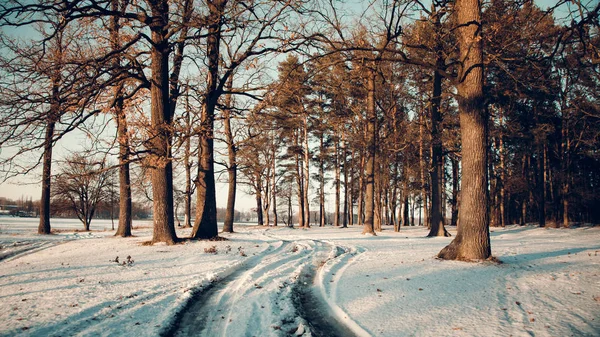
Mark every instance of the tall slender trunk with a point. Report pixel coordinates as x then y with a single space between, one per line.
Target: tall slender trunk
472 241
422 165
351 194
306 174
541 186
274 188
44 225
455 190
337 183
300 183
232 161
566 165
259 205
361 188
322 181
371 148
267 201
187 202
437 167
125 203
125 221
346 187
503 212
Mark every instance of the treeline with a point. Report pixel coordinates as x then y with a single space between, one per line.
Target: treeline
480 113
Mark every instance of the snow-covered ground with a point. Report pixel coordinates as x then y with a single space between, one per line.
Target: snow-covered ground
260 283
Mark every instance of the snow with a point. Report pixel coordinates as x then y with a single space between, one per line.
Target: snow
391 284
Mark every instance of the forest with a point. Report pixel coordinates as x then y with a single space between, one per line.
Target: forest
472 113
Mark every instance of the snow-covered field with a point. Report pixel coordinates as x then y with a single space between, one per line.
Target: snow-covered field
278 281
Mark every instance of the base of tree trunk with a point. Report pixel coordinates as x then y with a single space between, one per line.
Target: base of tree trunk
453 252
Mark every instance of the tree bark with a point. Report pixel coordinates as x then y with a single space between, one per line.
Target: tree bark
125 221
337 183
306 174
232 162
205 225
44 225
322 181
273 186
455 192
472 241
422 165
162 172
370 165
437 168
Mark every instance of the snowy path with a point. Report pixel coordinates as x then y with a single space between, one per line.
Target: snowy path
283 291
303 282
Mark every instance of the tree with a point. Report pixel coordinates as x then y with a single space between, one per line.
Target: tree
81 185
472 241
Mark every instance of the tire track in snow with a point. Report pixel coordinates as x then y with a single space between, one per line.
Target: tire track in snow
317 303
254 300
26 248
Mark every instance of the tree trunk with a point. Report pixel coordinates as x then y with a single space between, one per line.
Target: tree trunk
541 187
371 148
232 162
337 183
472 241
300 182
125 221
161 119
259 207
44 225
503 212
422 164
437 168
306 174
205 225
361 188
273 187
322 182
455 190
346 187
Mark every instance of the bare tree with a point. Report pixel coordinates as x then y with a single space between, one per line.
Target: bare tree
82 183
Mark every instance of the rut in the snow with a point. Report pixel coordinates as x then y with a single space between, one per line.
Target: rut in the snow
313 308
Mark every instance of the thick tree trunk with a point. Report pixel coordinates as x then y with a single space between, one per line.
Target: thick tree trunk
472 241
370 165
205 224
161 119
